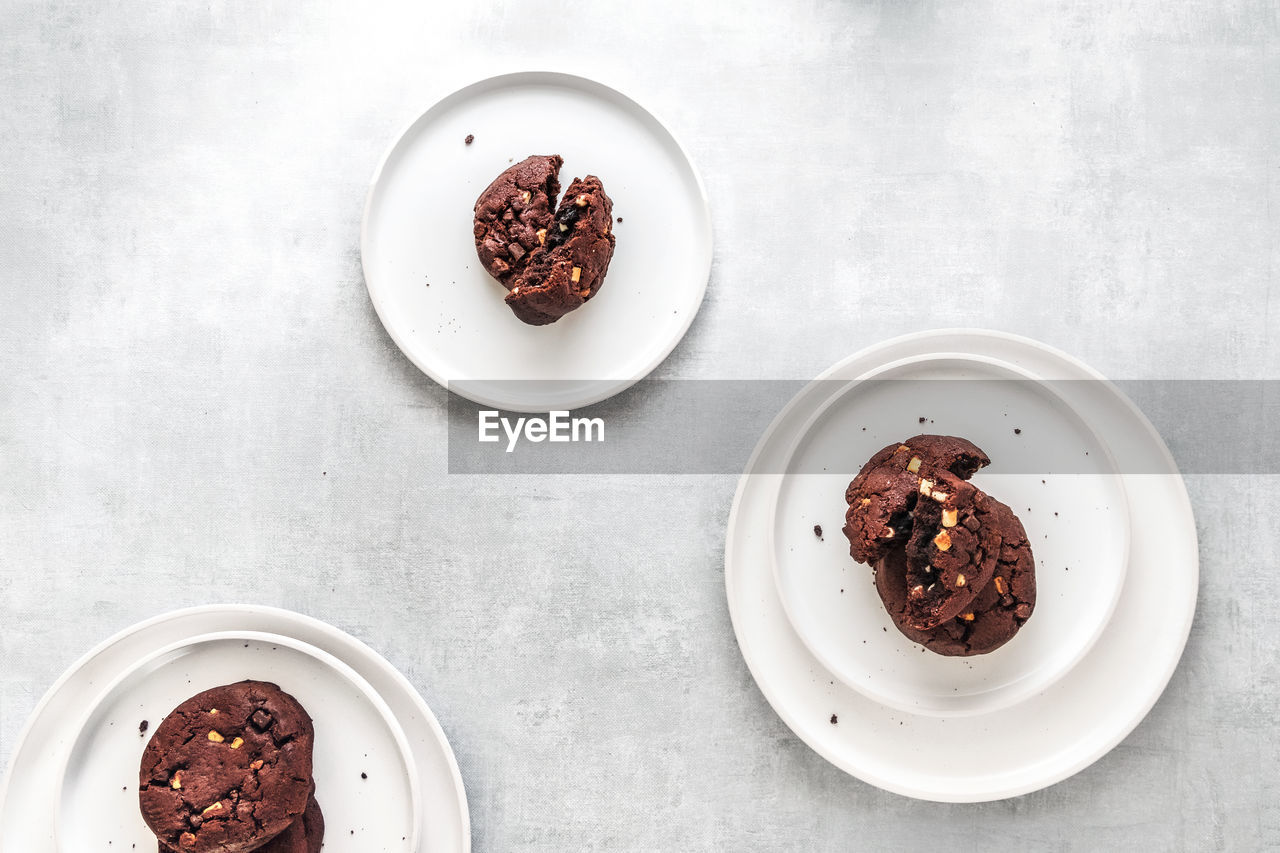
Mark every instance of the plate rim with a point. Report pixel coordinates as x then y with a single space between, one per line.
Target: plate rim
1066 769
345 670
605 388
267 612
774 494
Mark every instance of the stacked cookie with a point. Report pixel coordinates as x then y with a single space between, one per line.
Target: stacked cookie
550 261
229 770
952 564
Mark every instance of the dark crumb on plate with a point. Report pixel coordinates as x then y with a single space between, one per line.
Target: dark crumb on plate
817 530
922 420
619 218
1017 431
834 720
142 727
470 138
364 775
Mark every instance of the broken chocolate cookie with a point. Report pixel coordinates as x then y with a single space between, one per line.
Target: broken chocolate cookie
883 494
995 614
550 262
940 545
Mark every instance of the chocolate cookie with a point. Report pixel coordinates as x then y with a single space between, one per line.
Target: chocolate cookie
995 614
884 493
227 770
304 835
512 212
550 264
952 551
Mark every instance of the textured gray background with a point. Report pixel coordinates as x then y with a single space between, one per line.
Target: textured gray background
197 403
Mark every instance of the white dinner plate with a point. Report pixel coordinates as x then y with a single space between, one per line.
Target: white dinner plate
446 313
1048 465
30 793
1033 743
366 779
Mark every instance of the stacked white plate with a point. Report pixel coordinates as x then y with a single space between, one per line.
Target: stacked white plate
385 776
1116 557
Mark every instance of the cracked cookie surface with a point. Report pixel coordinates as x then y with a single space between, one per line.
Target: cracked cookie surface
952 564
884 493
551 263
952 551
227 770
304 835
512 211
996 613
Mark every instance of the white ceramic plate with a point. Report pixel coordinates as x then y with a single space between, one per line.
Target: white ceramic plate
1033 743
366 780
31 789
445 312
832 602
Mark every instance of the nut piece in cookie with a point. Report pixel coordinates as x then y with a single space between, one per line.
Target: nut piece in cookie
512 210
227 770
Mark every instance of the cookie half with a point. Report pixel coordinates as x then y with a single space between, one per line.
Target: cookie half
515 213
952 551
996 613
228 770
883 495
570 267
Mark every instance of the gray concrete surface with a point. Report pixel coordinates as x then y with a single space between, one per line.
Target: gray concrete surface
197 402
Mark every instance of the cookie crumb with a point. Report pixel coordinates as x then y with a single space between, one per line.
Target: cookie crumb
922 420
817 530
364 775
619 218
1017 431
834 720
470 138
142 728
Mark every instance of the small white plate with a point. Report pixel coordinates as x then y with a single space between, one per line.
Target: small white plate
31 788
832 601
366 782
446 313
1036 742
